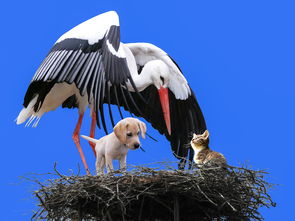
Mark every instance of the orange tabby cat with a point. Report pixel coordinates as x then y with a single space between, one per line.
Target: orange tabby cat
203 154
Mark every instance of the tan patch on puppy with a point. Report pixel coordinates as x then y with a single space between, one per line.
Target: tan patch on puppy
119 130
127 131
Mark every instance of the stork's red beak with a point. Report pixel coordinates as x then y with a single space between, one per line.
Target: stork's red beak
164 99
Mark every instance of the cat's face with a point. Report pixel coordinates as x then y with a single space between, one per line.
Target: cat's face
201 139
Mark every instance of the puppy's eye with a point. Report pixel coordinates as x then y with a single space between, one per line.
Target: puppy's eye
129 134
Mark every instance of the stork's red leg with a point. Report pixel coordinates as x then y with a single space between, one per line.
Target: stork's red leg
92 131
76 139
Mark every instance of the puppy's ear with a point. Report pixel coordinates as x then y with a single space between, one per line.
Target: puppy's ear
142 128
119 131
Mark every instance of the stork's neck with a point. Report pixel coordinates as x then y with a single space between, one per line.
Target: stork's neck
141 81
152 73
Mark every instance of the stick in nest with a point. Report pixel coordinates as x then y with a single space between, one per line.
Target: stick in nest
154 194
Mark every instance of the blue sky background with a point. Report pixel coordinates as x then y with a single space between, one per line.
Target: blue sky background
238 57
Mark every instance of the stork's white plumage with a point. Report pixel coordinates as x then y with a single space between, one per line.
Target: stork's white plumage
92 30
89 65
162 65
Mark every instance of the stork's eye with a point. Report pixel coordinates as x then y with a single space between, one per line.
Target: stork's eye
129 134
162 79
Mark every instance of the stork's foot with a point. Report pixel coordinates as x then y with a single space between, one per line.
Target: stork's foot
181 164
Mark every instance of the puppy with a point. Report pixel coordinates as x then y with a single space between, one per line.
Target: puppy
117 144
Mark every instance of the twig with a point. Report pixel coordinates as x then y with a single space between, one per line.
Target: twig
203 193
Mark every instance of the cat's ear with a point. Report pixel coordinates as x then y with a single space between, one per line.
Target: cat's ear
206 134
194 136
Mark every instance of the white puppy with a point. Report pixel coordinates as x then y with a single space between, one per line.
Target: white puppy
116 145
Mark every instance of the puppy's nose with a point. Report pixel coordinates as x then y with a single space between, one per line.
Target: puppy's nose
136 145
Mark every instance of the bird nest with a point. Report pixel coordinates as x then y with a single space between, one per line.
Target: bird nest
144 193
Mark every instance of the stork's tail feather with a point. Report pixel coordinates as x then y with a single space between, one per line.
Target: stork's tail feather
28 112
24 115
89 139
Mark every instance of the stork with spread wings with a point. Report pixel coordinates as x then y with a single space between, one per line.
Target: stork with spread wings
90 66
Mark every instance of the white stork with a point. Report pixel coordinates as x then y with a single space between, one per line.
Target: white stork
90 66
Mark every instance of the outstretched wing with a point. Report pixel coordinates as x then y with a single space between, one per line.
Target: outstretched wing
186 115
91 56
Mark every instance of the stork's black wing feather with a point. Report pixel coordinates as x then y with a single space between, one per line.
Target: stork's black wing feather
91 66
186 117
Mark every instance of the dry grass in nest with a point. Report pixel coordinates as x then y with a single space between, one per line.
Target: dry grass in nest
144 193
